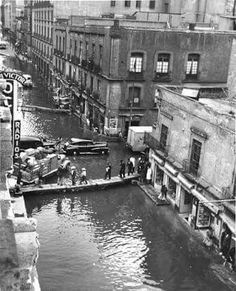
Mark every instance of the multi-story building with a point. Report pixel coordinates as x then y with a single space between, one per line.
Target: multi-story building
44 13
118 66
27 28
192 152
9 18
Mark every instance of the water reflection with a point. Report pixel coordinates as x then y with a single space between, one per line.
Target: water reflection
116 240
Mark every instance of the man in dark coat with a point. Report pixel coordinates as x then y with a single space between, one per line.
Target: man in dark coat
122 169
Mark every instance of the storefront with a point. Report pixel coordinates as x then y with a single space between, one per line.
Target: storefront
184 196
158 171
171 181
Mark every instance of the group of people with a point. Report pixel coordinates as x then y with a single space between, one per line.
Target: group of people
226 250
73 175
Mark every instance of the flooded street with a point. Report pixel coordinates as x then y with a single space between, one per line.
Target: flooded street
114 239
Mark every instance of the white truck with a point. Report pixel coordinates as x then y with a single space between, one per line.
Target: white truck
135 140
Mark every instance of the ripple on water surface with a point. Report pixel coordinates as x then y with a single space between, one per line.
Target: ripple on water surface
115 240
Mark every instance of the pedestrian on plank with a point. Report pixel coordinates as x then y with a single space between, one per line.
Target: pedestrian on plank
122 169
83 176
73 175
130 167
149 174
132 159
108 171
163 192
225 241
230 259
60 175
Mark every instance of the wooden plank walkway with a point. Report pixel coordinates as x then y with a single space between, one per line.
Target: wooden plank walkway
153 194
97 184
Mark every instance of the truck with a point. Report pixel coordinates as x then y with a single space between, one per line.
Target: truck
135 139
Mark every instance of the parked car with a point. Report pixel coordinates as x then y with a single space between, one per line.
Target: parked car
3 45
28 83
85 146
64 102
34 142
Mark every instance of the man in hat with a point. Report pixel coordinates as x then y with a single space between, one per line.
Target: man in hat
83 176
73 175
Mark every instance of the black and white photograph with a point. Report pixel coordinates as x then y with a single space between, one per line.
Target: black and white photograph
117 145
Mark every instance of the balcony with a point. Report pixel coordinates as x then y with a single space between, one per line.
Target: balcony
135 76
162 77
193 171
155 144
191 77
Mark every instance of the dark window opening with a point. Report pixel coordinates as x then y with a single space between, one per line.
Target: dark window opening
134 96
127 3
163 137
113 3
152 4
138 4
195 157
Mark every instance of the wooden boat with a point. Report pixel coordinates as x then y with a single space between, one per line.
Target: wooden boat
96 184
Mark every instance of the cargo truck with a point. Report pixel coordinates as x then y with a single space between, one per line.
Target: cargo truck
135 140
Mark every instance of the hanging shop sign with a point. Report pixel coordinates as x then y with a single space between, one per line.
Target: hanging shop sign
113 123
16 140
203 216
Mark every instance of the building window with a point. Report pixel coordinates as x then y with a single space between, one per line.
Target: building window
136 62
166 8
93 50
127 3
98 85
85 80
152 4
100 55
164 135
80 51
138 4
113 3
86 50
163 62
75 50
134 96
91 84
192 66
195 157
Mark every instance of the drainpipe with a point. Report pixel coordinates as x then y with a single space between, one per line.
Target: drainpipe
197 10
205 7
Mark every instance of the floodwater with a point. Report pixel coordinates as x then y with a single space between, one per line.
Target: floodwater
114 239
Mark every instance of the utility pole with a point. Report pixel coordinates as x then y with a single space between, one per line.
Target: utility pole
131 106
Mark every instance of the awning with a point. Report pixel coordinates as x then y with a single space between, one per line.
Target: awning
212 207
185 182
172 170
160 161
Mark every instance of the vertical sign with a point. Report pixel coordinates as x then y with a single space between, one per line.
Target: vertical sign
16 140
8 93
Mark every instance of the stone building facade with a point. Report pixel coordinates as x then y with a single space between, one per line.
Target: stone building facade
192 152
116 68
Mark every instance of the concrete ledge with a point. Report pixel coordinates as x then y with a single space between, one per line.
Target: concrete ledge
24 224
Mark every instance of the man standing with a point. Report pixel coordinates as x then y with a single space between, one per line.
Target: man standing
163 192
83 176
122 169
108 171
132 159
73 175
